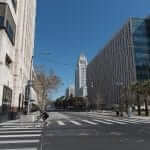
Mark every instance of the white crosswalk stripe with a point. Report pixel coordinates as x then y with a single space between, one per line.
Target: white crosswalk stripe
97 121
104 122
118 122
61 123
32 131
108 118
30 148
19 141
76 123
19 136
89 122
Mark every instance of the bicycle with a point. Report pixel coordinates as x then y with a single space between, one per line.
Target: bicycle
42 120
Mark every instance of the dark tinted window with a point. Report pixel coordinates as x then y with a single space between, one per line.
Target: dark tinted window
7 21
7 97
2 14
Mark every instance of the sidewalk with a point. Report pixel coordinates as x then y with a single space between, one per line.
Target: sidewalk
20 117
29 118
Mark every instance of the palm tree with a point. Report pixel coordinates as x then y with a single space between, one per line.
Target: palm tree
146 92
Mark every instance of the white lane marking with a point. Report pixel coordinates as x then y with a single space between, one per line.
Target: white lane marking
29 148
133 121
60 123
129 121
126 121
118 122
21 128
19 123
103 122
75 122
22 135
19 141
17 126
20 131
90 122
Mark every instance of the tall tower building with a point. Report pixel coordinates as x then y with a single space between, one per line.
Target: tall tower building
17 28
80 76
70 91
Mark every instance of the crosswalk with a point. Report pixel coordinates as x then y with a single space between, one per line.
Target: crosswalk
20 135
100 121
97 119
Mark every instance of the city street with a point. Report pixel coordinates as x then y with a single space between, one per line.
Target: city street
74 75
95 131
77 130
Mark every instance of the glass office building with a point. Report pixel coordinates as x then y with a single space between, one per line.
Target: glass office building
141 42
125 59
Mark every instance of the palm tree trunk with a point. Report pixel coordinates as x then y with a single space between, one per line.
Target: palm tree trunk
139 105
146 107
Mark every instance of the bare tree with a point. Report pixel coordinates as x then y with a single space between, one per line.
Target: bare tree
45 84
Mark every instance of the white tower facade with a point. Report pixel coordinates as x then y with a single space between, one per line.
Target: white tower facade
80 77
17 29
70 91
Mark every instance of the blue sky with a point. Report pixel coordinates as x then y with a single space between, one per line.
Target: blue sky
65 28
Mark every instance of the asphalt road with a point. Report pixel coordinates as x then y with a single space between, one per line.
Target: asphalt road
79 131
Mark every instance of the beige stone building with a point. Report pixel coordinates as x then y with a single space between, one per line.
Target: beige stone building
17 28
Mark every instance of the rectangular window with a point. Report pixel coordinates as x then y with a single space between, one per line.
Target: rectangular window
2 14
1 21
7 97
7 22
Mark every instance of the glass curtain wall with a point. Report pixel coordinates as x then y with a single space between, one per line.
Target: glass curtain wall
141 42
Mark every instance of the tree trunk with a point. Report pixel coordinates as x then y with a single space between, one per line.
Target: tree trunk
121 109
146 107
139 105
127 105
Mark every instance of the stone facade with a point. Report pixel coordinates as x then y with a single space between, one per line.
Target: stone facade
80 77
70 91
16 50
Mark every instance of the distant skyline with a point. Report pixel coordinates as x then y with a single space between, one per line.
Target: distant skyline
66 28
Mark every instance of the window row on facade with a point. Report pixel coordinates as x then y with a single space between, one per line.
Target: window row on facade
7 22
